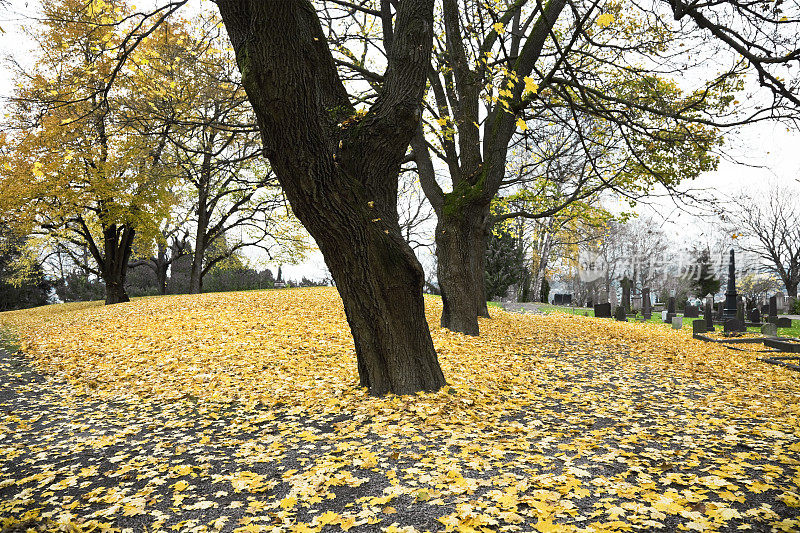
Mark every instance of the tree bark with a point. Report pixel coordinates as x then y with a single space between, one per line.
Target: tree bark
340 171
161 266
791 290
476 165
118 242
201 237
461 254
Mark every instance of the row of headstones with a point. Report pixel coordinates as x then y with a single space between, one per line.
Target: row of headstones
669 316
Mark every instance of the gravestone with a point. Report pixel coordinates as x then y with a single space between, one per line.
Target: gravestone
691 311
733 325
720 310
699 326
780 302
562 299
670 310
612 299
602 310
770 330
620 315
709 314
626 294
765 309
773 309
664 316
677 322
729 310
783 322
647 310
740 310
755 315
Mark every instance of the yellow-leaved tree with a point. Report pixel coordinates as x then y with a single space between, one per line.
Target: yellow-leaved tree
73 168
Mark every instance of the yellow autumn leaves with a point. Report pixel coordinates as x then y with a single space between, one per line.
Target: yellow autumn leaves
550 423
294 347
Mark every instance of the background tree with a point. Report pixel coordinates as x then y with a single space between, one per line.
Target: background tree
756 287
768 226
505 263
22 280
171 243
508 71
73 168
704 279
187 79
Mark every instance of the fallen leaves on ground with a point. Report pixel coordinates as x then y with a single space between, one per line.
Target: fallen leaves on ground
241 412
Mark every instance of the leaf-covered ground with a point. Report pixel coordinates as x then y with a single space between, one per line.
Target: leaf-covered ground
241 412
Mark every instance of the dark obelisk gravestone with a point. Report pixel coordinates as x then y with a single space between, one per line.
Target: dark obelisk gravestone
773 309
729 310
670 310
647 310
626 294
709 314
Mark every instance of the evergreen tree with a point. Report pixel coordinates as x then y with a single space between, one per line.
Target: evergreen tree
22 281
704 281
505 263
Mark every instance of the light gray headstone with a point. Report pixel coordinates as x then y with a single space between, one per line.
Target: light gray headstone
677 322
663 316
781 302
770 330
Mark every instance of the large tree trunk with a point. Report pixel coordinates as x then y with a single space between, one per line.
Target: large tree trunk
380 282
201 237
340 171
161 266
791 290
461 254
118 242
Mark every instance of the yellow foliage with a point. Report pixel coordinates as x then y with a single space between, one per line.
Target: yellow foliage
545 416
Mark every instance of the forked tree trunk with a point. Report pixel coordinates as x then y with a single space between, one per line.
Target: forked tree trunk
461 257
476 163
340 171
118 243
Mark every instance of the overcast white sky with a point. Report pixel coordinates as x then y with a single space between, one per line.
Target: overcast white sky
764 153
